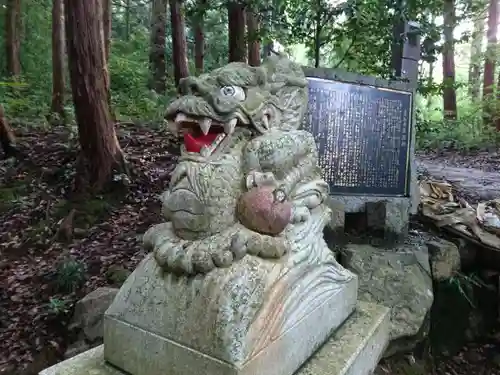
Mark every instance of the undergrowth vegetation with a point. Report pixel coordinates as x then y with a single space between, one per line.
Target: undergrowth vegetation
469 132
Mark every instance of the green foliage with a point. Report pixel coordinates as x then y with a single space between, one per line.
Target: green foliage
58 306
469 132
465 285
70 275
354 35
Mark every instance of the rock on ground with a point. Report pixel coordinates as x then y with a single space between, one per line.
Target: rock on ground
89 312
398 278
444 259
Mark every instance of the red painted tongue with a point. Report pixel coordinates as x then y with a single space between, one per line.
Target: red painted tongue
194 144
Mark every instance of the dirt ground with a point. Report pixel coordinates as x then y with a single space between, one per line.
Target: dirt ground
34 200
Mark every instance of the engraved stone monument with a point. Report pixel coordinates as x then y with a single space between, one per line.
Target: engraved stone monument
239 279
363 128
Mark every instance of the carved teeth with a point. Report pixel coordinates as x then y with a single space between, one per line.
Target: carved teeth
173 127
206 151
230 125
181 117
265 122
205 124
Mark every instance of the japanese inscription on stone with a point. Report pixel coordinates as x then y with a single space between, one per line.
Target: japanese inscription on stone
363 134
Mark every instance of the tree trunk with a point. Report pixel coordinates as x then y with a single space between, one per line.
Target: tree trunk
430 81
7 139
317 34
106 35
497 107
57 105
490 58
158 47
475 58
449 92
13 37
106 19
199 37
101 152
253 37
127 20
199 47
268 49
236 26
179 46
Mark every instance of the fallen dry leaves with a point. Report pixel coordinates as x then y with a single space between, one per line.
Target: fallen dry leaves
33 205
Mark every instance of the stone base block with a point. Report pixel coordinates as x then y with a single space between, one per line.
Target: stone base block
354 349
255 318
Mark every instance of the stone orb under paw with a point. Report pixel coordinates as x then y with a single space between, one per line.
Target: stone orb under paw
265 210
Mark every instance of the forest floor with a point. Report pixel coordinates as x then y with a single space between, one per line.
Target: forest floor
36 305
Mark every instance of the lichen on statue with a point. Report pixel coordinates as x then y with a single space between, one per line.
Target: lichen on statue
247 182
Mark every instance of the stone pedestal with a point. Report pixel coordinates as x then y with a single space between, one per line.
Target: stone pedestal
256 318
354 349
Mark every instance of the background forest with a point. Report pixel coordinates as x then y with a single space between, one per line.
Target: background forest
154 43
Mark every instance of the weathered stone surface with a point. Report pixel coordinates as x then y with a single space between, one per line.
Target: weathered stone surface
399 279
233 321
76 348
354 349
338 214
261 210
221 292
397 219
117 274
89 312
444 259
390 215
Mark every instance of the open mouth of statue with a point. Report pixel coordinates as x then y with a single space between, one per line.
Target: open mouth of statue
201 135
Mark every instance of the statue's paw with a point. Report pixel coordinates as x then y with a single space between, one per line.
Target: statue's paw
172 257
255 179
300 214
261 245
198 257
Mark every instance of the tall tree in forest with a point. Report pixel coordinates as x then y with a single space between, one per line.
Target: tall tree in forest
179 46
491 55
106 28
157 49
236 31
253 38
475 57
106 36
7 139
57 105
101 152
13 37
199 35
430 75
449 92
127 20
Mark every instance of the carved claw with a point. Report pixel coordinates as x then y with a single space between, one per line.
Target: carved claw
300 214
257 244
198 257
256 178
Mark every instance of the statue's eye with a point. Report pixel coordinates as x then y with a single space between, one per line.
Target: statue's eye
234 91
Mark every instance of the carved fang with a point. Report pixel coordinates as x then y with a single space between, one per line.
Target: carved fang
173 127
205 124
230 125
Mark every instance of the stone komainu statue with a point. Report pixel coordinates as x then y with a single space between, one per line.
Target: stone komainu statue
240 268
